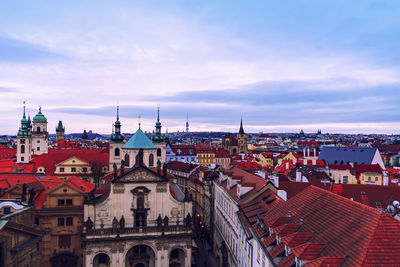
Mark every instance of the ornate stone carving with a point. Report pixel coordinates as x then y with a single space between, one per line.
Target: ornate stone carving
161 189
175 212
118 188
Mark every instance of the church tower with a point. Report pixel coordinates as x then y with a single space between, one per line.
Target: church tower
40 136
116 143
159 140
187 123
242 142
60 130
24 152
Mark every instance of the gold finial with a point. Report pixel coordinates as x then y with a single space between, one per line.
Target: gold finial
139 121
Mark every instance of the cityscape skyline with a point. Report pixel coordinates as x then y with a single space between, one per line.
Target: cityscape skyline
283 68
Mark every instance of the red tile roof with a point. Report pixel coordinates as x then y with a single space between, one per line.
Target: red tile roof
54 156
308 251
375 196
181 166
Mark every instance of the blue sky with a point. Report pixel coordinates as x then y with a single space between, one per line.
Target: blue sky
282 65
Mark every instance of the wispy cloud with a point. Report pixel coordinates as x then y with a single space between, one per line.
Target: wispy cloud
274 69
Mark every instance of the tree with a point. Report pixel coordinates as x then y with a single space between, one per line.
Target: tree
96 167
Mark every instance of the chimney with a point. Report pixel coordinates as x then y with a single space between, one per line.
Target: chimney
315 152
287 166
308 152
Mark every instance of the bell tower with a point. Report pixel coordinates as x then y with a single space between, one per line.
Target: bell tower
24 138
116 143
60 131
40 136
159 140
242 142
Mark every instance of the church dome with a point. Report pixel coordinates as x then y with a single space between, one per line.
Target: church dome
40 117
139 140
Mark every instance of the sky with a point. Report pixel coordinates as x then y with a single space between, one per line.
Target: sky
282 66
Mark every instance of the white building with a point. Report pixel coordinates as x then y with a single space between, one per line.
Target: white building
230 189
138 222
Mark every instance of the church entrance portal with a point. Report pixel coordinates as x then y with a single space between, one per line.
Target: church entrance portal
140 256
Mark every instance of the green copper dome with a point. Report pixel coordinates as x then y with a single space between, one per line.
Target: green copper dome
139 140
40 117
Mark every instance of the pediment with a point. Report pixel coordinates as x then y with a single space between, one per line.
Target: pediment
140 174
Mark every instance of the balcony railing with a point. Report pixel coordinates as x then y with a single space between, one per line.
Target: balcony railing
137 230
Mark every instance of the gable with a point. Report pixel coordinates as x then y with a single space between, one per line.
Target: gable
72 161
59 190
140 174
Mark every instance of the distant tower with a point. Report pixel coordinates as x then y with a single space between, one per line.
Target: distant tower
24 152
40 136
159 140
116 143
60 130
187 123
242 142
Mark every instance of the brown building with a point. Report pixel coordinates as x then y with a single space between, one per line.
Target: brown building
58 211
61 218
19 236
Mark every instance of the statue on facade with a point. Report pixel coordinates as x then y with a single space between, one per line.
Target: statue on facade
89 224
115 170
166 219
115 223
159 220
122 222
158 167
165 169
188 220
122 167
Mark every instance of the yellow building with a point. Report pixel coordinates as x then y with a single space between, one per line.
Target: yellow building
371 178
342 174
265 160
205 156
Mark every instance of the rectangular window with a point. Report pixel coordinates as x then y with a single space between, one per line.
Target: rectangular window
376 179
61 169
69 202
345 179
64 241
60 221
69 221
38 149
73 169
22 158
7 210
61 202
84 169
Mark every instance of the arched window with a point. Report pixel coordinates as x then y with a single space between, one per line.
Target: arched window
116 152
158 152
151 160
127 160
140 201
22 149
38 129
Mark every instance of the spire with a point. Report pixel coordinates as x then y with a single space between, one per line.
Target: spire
157 136
158 114
24 117
187 122
241 131
116 135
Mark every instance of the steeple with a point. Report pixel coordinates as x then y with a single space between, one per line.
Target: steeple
241 131
24 130
116 136
187 122
157 137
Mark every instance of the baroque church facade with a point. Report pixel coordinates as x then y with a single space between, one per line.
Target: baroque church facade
154 151
140 221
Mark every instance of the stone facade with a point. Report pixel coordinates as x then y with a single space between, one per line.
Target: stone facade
138 221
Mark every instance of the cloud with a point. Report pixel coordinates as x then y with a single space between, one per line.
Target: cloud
139 56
